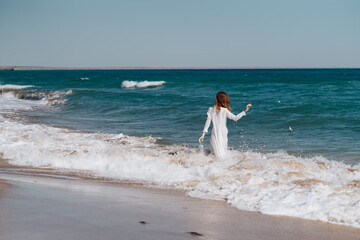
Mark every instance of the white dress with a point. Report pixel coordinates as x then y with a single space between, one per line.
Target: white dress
218 140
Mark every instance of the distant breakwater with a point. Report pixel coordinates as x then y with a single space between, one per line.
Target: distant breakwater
6 68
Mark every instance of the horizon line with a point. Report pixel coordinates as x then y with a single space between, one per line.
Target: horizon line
20 68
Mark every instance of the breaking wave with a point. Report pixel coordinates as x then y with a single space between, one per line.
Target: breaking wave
272 183
43 97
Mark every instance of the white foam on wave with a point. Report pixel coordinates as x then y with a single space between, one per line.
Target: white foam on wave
272 183
14 98
141 84
11 86
10 104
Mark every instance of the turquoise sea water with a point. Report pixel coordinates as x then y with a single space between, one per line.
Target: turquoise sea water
322 106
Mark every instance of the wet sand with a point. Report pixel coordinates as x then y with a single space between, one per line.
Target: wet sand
3 186
35 207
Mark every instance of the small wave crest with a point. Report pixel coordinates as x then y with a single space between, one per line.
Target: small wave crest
272 183
141 84
12 87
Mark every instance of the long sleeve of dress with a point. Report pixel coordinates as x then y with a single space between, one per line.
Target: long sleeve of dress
208 121
235 117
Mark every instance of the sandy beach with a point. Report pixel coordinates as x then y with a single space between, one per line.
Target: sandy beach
214 120
56 207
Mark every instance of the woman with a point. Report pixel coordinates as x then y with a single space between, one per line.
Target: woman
217 115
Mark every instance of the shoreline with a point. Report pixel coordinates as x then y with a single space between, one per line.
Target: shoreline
86 208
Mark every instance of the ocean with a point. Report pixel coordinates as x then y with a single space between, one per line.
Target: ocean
143 126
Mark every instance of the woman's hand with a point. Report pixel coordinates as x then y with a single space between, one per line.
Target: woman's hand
201 139
247 107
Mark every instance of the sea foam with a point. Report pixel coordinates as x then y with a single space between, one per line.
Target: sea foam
11 86
272 183
18 95
141 84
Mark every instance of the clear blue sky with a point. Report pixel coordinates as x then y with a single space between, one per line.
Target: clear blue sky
184 33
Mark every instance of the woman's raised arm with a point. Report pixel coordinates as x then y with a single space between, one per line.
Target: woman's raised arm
240 115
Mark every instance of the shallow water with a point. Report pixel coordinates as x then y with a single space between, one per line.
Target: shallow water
321 106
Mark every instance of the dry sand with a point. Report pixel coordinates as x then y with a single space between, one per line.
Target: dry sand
35 207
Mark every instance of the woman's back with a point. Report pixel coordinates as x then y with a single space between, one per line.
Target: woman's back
218 118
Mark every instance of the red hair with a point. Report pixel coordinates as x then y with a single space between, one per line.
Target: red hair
222 100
